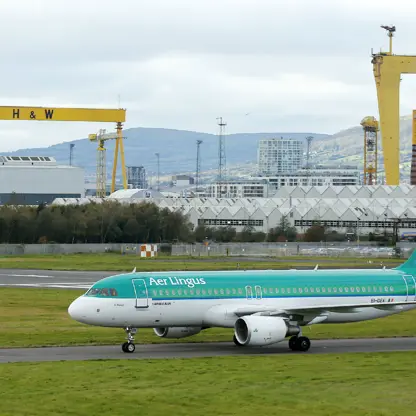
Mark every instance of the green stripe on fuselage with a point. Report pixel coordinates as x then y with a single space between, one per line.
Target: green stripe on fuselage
282 284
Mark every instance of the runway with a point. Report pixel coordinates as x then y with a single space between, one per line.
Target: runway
194 350
50 278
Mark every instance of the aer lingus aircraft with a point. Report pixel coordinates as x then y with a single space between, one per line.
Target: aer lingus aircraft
264 307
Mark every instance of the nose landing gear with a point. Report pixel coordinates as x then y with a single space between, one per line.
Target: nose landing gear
129 346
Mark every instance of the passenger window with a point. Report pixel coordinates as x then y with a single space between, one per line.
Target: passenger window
264 290
198 291
240 291
185 292
300 290
391 289
203 291
324 289
179 292
352 289
288 290
271 290
357 289
386 289
209 291
312 290
346 289
335 289
283 291
154 292
227 291
215 292
306 290
221 291
363 289
294 290
191 292
329 289
318 290
173 292
277 290
234 292
161 292
340 289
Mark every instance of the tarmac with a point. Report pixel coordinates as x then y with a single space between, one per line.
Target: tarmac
194 350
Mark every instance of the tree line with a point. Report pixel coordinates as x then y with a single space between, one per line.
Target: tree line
112 222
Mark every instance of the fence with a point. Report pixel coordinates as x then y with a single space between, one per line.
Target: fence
217 249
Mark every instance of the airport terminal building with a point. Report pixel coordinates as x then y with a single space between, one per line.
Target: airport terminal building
362 208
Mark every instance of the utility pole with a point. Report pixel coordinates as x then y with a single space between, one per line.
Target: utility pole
308 152
158 171
198 164
71 153
221 151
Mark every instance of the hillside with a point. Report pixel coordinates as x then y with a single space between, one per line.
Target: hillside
177 150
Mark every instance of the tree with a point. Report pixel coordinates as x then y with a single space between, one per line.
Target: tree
315 233
283 232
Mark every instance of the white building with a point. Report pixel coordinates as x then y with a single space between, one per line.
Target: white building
319 175
238 189
276 156
31 180
361 208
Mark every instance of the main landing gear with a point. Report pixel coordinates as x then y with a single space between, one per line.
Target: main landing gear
299 343
129 345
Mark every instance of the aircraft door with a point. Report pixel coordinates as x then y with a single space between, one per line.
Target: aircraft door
140 289
411 287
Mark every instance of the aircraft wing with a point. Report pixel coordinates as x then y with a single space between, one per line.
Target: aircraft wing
316 313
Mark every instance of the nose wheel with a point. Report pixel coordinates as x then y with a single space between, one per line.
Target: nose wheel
129 346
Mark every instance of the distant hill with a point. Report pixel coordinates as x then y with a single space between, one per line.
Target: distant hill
177 150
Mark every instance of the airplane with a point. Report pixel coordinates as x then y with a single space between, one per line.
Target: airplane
263 306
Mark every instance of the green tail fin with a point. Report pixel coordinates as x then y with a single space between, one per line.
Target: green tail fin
409 264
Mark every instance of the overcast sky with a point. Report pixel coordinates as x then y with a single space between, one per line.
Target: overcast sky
295 65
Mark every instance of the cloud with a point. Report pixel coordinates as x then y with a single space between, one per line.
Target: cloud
296 65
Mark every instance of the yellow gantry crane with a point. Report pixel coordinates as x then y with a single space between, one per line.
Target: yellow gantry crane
387 69
370 127
101 137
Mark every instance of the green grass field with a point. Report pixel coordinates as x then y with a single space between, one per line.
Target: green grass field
315 385
38 317
118 262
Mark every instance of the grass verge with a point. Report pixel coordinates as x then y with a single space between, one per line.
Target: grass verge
118 262
319 385
38 317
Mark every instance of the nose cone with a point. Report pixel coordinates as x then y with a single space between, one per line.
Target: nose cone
76 310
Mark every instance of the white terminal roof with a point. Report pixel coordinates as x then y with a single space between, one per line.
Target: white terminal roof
383 202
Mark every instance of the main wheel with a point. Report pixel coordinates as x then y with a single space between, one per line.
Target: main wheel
236 341
293 343
130 347
303 344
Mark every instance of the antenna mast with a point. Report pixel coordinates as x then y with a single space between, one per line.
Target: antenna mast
71 153
308 152
158 171
221 150
198 164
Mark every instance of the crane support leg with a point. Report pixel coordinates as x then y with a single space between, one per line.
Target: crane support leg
113 179
123 164
387 70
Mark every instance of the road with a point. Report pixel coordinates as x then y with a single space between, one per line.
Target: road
192 350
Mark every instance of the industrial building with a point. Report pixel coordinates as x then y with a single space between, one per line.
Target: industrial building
276 156
136 177
32 180
257 188
363 209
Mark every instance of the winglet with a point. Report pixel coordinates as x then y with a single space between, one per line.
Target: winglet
134 270
316 267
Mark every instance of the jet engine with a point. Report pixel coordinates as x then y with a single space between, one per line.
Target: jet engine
262 330
173 332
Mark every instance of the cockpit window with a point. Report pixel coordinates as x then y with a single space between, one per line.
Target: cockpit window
102 292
